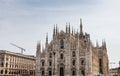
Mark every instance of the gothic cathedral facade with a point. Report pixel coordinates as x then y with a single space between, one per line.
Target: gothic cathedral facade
71 53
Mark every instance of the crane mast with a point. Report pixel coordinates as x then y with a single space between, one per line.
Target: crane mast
22 49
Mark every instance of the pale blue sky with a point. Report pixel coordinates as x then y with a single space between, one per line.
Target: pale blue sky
24 22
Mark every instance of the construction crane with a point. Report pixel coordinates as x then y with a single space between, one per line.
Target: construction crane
22 49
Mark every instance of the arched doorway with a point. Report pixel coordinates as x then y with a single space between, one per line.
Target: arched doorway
61 73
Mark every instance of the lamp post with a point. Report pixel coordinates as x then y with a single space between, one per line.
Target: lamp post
54 64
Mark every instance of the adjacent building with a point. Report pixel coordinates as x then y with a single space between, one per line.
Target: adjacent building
15 64
115 71
71 53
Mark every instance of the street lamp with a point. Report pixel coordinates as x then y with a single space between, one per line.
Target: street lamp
54 64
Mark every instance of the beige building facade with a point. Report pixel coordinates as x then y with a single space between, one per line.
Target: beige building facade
14 64
71 53
115 71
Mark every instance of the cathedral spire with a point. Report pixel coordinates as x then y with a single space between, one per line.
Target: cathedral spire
72 30
66 28
46 40
81 27
119 63
38 48
54 30
97 45
69 27
104 44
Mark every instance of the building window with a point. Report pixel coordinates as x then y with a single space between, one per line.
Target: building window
100 66
42 73
73 53
61 56
5 71
83 73
61 44
6 64
2 64
43 63
1 71
82 62
73 73
50 63
6 59
1 59
50 73
50 55
73 62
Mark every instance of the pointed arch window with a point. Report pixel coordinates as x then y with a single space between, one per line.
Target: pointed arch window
83 72
43 73
73 54
73 73
43 63
73 62
82 62
62 44
50 63
50 73
50 55
61 56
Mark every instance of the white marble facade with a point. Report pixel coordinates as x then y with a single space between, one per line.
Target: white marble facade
71 53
